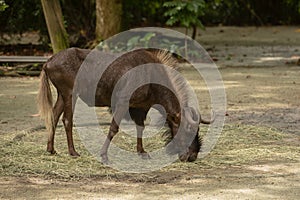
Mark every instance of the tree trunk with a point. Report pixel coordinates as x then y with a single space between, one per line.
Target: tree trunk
108 18
194 34
55 25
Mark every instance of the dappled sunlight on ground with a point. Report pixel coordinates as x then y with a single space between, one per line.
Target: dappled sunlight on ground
257 155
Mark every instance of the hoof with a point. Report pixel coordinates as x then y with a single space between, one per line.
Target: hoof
144 155
105 162
104 159
51 151
74 154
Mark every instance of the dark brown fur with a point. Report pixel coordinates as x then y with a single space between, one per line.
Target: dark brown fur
62 69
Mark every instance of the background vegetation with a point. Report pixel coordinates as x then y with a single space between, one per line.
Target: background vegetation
18 16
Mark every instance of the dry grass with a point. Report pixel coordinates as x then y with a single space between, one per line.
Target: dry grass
23 153
241 144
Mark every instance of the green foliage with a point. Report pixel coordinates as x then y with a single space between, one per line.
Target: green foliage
129 44
17 16
252 12
3 5
22 15
142 13
150 39
79 16
294 3
184 13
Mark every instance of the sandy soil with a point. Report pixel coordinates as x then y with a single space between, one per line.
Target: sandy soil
265 95
257 96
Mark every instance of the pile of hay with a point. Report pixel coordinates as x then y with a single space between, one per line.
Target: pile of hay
24 153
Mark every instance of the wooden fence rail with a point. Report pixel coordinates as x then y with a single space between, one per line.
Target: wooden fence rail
23 59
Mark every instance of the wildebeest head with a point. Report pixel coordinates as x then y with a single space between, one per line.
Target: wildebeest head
185 134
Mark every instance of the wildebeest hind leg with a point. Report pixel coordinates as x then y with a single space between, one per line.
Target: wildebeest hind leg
57 111
68 123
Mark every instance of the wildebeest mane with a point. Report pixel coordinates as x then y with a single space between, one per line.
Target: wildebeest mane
177 81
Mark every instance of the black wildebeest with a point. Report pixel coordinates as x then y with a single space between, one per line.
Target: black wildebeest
62 68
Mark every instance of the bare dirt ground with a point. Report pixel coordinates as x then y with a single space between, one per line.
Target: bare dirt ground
257 156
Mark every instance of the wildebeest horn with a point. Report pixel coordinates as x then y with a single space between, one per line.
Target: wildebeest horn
191 115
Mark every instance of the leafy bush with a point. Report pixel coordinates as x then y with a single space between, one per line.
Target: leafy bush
22 15
3 5
17 16
252 12
142 13
184 13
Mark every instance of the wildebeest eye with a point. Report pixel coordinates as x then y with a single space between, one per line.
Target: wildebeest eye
191 128
188 127
174 121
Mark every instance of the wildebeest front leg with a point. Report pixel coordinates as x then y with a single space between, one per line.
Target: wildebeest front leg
139 117
113 130
68 124
140 149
